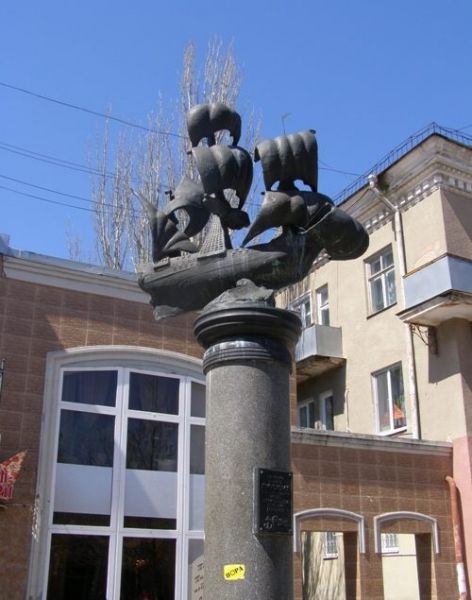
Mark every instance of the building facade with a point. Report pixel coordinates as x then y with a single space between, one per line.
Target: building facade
386 348
110 407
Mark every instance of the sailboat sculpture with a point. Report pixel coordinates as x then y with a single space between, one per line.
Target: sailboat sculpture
183 277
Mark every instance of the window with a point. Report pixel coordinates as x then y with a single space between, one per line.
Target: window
306 414
330 545
125 484
302 306
389 543
326 411
381 278
322 303
390 400
317 415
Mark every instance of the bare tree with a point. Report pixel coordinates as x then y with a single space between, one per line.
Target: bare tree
147 167
111 192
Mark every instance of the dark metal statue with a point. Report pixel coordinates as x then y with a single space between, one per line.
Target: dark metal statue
183 278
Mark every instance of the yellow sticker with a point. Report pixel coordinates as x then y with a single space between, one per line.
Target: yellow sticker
233 572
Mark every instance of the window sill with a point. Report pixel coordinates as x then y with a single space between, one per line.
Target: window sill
378 312
392 432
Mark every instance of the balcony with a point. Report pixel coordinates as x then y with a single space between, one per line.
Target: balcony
319 350
438 291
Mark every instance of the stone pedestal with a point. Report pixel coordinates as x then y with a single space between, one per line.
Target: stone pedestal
247 364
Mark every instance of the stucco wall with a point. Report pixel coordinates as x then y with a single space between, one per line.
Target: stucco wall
440 381
425 236
457 210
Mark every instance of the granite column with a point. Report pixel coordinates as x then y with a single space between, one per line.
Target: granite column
248 541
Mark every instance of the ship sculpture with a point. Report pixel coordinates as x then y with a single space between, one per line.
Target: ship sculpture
184 277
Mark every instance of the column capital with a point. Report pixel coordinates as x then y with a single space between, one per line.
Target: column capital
251 332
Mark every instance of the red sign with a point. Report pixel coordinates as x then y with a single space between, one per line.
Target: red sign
9 471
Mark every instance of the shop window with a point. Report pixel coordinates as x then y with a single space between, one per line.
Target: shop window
322 304
303 307
124 483
389 400
381 280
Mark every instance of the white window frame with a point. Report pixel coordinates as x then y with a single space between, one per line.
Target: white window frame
391 429
309 402
299 306
381 275
322 306
124 359
323 398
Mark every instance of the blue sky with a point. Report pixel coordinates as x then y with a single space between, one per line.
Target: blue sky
364 74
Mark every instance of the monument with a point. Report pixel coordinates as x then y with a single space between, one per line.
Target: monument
248 342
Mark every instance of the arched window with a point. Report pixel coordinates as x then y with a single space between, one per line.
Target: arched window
379 521
325 513
121 476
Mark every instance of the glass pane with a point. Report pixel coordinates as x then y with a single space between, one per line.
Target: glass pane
396 381
86 439
382 402
390 285
376 266
377 294
197 449
154 393
152 445
83 489
195 570
150 496
303 416
387 259
324 316
323 295
197 479
311 415
306 313
329 414
90 387
69 518
150 523
148 569
78 567
198 400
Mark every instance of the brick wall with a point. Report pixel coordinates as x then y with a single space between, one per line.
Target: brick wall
35 320
370 482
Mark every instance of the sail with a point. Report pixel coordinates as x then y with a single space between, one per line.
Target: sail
340 235
167 239
278 209
188 197
204 120
288 158
224 167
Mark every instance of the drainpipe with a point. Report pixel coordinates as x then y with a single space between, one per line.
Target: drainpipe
410 352
457 530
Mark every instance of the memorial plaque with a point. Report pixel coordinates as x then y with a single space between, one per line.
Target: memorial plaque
272 502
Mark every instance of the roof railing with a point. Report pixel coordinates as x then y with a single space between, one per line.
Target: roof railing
399 151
